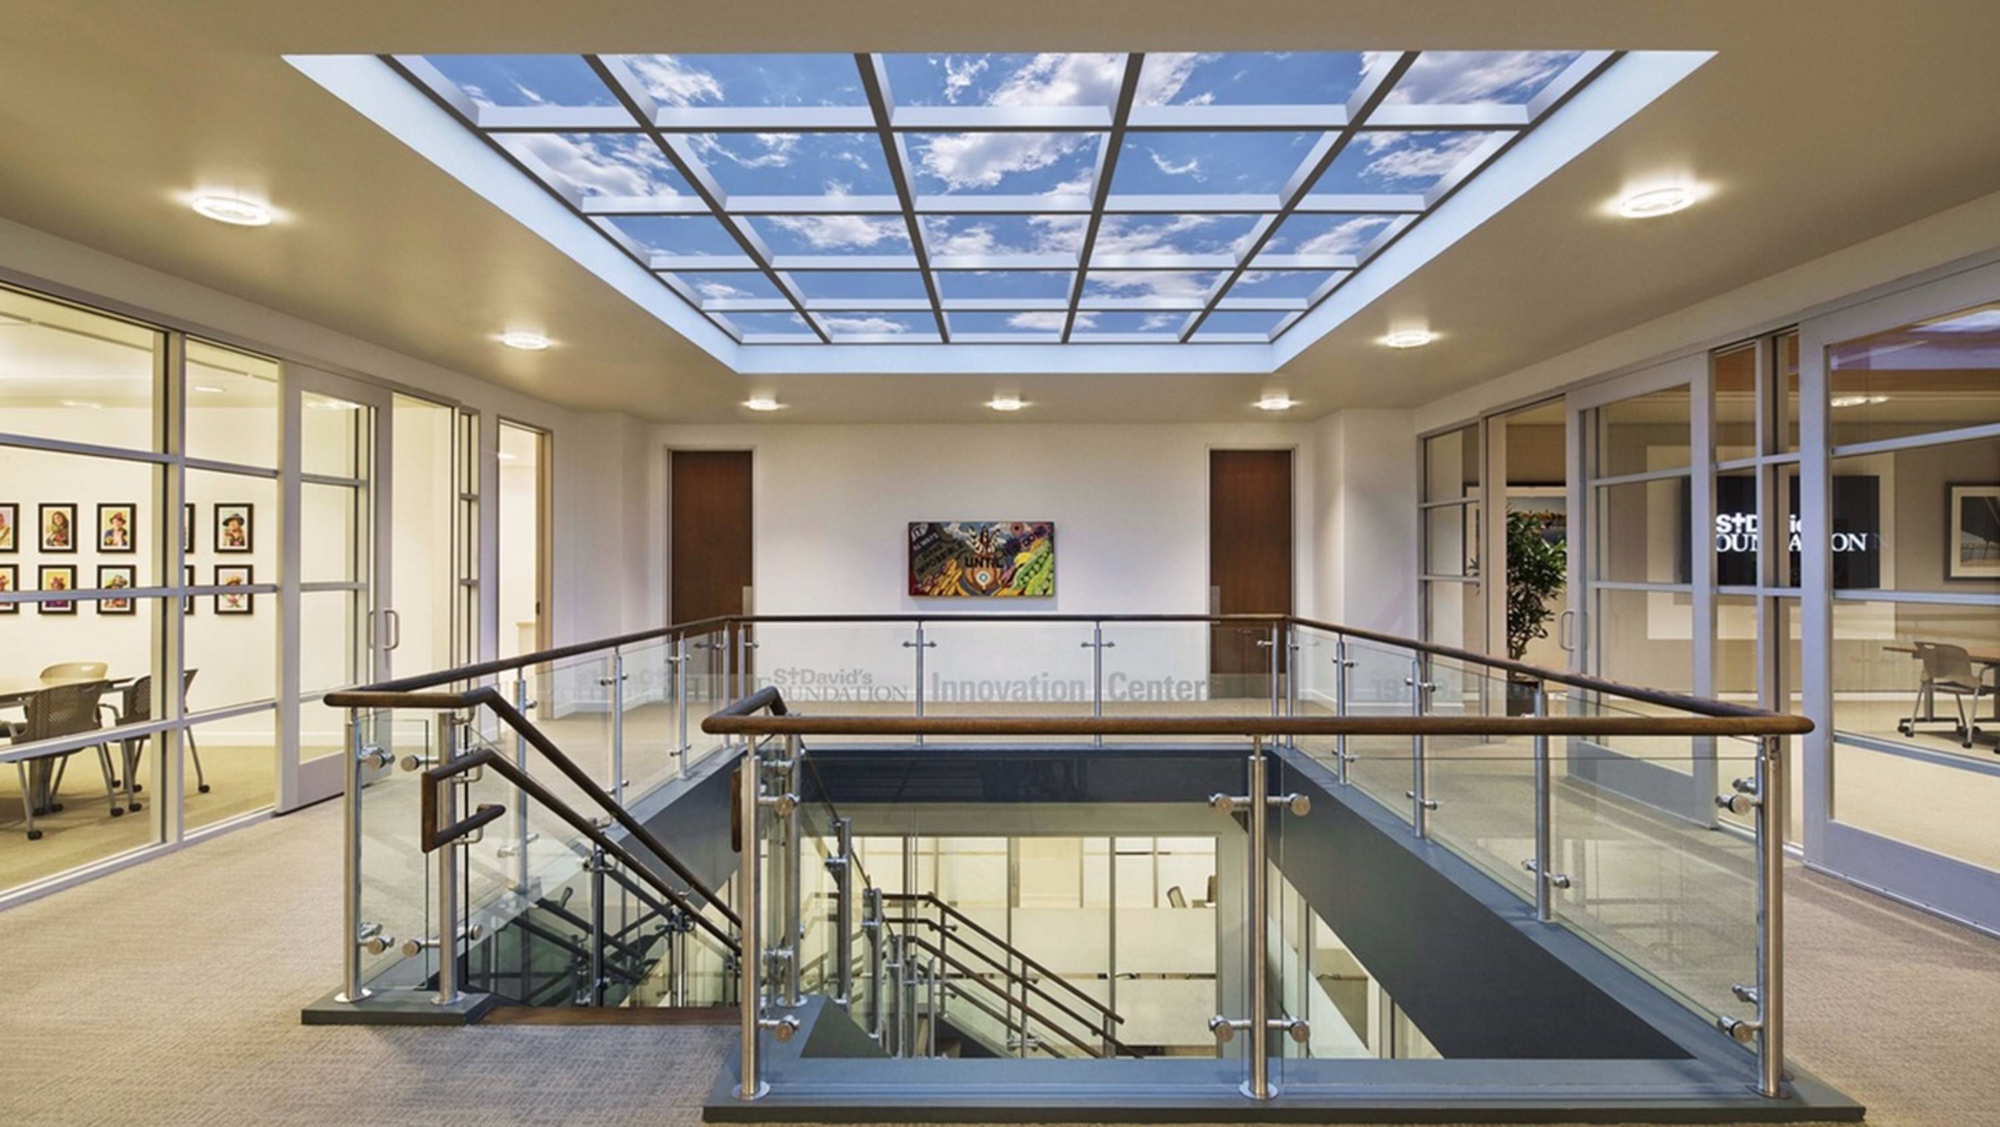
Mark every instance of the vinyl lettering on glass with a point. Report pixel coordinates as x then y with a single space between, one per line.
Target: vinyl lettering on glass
1856 539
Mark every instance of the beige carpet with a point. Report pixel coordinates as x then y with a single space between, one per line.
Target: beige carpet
169 993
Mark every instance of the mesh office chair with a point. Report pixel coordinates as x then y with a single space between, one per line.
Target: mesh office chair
1948 669
61 710
137 708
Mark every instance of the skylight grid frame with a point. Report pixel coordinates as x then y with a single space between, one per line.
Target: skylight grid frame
669 129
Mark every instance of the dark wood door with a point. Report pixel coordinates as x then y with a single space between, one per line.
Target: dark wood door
1249 563
711 533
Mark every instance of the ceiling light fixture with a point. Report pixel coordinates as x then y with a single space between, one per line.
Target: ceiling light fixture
1277 401
763 403
1006 403
525 341
1409 338
233 210
1857 400
208 389
83 404
1656 201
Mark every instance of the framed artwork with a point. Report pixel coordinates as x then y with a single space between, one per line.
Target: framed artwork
118 528
56 577
117 577
187 528
10 580
234 602
187 580
982 559
58 521
10 525
235 526
1972 544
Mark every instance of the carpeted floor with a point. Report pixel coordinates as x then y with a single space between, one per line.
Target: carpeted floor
169 994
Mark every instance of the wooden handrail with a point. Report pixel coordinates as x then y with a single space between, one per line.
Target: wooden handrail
1026 960
1768 724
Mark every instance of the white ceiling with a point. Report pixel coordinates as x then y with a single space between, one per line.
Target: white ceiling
1820 123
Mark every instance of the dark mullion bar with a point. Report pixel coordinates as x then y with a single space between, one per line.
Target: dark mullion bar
876 83
1107 164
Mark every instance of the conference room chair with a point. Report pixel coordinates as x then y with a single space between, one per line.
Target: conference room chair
136 707
1948 669
52 713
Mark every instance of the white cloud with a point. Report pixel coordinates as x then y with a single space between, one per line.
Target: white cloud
863 325
1162 321
673 80
982 160
1165 74
717 291
1347 237
1190 167
1184 284
778 149
1465 77
611 164
1063 80
842 232
959 74
1048 320
1414 156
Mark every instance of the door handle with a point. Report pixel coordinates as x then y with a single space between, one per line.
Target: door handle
1565 623
395 623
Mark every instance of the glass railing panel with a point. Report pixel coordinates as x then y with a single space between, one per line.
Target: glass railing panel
1183 669
396 894
1654 875
575 706
1378 685
1483 783
1312 685
1018 668
837 668
650 717
709 680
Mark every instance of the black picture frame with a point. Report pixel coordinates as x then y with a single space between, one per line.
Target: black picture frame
225 511
42 513
108 511
10 580
226 576
10 527
56 606
187 529
187 580
1955 494
106 573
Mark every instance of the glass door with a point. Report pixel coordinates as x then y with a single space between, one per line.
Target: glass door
339 548
1642 605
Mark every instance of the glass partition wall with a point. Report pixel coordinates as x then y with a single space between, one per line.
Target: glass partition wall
193 549
1869 437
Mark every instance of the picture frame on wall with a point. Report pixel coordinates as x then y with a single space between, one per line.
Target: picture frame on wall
235 526
10 581
1972 530
118 527
117 577
10 527
234 602
56 577
58 526
187 580
187 527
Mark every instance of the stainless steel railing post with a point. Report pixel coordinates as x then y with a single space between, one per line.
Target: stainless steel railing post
1544 828
680 660
1258 1048
617 684
843 936
596 865
1420 802
920 645
521 867
750 938
794 902
1097 677
446 875
351 939
1274 642
872 924
1773 802
1341 666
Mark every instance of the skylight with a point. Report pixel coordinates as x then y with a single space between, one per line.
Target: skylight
1200 200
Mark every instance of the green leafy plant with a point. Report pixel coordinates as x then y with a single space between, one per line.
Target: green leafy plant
1536 571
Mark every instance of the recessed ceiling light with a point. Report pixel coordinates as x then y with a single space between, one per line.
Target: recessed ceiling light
233 210
1858 400
507 456
526 342
83 404
1656 201
1006 403
763 403
1277 401
1409 338
208 389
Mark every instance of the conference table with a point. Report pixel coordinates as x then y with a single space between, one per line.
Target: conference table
1988 662
15 692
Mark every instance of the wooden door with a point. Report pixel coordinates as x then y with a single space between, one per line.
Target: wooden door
1249 563
710 552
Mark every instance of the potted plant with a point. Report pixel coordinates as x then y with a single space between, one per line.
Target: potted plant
1536 572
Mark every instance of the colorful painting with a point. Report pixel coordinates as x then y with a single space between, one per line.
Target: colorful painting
973 559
